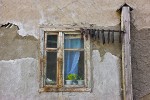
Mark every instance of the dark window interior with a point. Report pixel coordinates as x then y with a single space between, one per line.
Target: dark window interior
52 41
51 68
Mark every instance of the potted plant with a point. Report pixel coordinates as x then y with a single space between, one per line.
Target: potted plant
74 80
80 80
71 79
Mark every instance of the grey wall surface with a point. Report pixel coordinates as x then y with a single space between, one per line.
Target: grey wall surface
140 46
19 48
19 70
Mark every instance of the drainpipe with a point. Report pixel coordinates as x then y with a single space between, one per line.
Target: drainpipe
126 71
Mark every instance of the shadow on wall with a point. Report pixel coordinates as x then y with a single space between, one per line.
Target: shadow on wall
140 56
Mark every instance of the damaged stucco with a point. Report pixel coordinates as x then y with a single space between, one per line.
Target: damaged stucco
14 46
19 48
20 80
19 70
108 81
30 15
16 77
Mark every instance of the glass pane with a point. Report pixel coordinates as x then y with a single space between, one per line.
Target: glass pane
52 41
74 67
73 41
51 69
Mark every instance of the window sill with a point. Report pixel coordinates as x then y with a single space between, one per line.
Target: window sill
65 89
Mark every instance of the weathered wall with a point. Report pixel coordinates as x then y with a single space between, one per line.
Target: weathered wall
140 41
19 81
14 46
141 13
19 55
29 15
140 62
19 77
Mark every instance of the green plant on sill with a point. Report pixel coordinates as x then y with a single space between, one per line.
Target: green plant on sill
72 77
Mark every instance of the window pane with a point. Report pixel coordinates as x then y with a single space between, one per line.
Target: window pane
51 69
52 41
73 41
74 67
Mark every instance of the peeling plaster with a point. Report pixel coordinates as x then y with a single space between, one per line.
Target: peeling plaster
29 15
14 46
16 60
21 78
107 75
18 79
22 31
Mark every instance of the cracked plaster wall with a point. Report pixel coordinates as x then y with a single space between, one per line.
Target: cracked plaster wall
19 80
19 77
14 46
28 15
22 80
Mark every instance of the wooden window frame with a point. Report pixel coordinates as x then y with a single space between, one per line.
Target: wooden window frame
60 87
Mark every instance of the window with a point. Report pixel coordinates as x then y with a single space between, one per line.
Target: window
65 61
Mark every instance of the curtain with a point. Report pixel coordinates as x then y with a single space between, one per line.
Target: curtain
72 57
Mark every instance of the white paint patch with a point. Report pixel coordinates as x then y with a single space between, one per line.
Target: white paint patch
18 79
26 29
23 29
107 76
16 60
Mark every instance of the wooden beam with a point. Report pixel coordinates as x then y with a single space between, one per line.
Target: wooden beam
126 55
